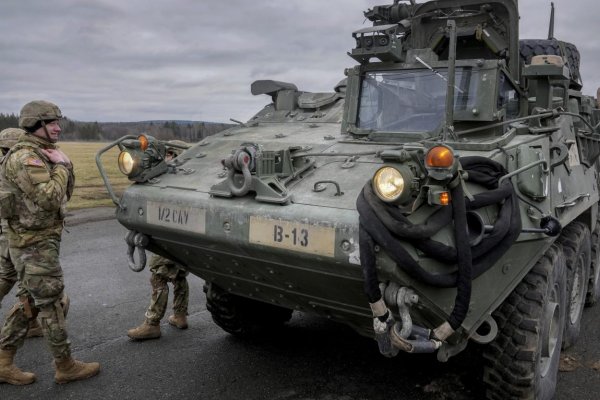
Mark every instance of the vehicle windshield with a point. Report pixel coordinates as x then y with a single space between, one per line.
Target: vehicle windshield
412 100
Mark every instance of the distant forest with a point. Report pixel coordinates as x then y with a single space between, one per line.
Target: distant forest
189 131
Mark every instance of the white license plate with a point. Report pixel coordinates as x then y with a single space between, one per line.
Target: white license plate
295 236
190 219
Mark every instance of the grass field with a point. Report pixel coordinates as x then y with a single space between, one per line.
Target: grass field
89 186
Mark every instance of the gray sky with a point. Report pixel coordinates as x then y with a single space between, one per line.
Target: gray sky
131 60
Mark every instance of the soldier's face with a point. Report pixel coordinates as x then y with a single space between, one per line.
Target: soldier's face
53 129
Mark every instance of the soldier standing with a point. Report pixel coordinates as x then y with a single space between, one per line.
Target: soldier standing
164 271
41 178
8 274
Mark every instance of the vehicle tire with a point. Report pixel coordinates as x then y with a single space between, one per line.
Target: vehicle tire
529 48
241 316
575 240
522 362
593 292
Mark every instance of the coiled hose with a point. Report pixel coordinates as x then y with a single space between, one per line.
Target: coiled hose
384 225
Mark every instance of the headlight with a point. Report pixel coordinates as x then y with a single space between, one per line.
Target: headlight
126 163
388 183
393 184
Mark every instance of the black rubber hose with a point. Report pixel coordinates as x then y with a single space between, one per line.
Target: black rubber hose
370 225
373 230
367 254
394 221
464 278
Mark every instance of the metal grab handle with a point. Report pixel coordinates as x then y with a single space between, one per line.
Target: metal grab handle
109 188
319 187
140 241
525 168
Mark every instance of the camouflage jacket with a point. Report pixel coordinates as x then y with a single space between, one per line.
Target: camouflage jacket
41 189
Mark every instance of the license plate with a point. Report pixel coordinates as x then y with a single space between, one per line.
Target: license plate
191 219
295 236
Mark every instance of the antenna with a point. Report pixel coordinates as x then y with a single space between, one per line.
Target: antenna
551 29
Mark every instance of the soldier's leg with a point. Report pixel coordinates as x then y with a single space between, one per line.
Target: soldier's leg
47 291
8 274
158 303
12 337
181 295
53 324
50 299
41 276
16 325
150 328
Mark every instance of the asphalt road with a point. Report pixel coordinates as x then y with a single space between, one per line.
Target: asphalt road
312 358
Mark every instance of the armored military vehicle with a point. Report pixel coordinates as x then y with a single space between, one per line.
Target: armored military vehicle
446 191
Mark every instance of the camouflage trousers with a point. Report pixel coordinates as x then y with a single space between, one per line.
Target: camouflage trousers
40 295
8 274
163 272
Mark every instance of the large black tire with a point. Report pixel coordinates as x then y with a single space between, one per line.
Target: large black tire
529 48
593 293
575 240
241 316
522 362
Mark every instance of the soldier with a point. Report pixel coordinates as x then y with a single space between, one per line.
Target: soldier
41 178
164 271
8 274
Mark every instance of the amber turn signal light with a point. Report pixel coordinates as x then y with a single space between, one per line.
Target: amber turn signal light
439 157
143 142
444 198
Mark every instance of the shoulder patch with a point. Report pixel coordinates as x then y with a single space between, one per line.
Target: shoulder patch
34 162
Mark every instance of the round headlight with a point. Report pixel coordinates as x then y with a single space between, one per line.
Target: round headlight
126 162
389 184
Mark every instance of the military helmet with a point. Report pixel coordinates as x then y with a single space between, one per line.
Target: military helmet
9 137
176 150
38 110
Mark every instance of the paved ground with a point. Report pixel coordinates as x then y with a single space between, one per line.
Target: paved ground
312 358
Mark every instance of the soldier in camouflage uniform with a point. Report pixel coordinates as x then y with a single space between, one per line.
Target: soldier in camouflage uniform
39 176
164 271
8 274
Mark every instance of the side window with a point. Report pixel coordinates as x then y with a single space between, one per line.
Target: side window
508 97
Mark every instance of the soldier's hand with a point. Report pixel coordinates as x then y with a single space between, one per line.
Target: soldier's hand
56 156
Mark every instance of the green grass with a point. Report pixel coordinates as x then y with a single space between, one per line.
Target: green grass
89 186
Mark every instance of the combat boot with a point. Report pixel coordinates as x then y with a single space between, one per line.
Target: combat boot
69 370
35 329
9 373
179 320
144 331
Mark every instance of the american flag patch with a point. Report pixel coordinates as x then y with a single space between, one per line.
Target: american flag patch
34 162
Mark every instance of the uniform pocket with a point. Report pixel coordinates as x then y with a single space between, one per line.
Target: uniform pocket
40 259
7 204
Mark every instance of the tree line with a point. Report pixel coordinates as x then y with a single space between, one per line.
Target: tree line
188 131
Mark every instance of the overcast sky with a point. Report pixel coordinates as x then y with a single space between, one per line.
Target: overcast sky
131 60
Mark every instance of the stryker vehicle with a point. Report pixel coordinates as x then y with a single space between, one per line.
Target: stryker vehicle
445 192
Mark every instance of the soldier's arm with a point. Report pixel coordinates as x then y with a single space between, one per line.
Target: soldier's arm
43 187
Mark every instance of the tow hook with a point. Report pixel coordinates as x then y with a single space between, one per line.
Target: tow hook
241 161
140 241
402 335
